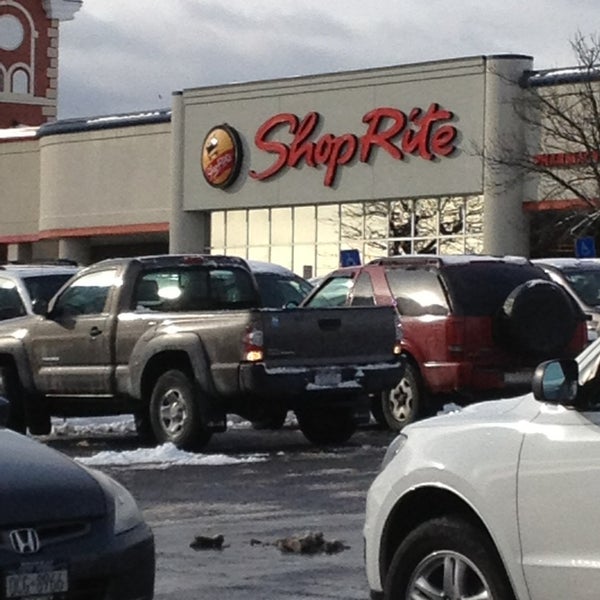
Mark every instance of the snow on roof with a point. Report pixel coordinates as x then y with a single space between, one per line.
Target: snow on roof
146 117
20 132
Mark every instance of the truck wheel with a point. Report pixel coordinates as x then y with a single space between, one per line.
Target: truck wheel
325 427
10 389
175 413
446 558
403 404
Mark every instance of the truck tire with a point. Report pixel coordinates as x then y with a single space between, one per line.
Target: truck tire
326 427
175 412
449 558
404 403
10 389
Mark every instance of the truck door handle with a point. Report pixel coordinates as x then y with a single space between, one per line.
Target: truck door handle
329 324
95 331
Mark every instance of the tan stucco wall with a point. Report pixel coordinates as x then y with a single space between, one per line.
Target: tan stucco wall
19 187
105 177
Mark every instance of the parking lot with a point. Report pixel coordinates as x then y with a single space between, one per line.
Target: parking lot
278 487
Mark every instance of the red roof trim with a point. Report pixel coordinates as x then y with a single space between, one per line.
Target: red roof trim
50 234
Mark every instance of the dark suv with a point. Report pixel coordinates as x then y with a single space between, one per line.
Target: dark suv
22 286
473 326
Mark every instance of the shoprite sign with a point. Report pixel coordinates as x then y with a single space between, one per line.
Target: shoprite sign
427 134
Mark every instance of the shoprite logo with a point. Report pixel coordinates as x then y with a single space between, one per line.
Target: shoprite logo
221 156
429 134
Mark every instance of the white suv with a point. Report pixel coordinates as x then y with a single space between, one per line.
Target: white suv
497 501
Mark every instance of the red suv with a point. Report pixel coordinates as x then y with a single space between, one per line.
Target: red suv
474 326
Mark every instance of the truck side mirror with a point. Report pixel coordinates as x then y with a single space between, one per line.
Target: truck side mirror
40 306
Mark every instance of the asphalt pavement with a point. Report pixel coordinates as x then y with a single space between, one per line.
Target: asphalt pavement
296 492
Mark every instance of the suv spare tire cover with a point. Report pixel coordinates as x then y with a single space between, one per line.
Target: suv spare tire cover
538 318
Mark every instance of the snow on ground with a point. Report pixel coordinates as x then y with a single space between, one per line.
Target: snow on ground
160 457
163 457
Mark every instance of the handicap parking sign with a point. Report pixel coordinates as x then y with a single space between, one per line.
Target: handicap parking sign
349 258
585 247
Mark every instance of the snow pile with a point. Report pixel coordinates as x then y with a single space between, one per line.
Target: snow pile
92 425
162 457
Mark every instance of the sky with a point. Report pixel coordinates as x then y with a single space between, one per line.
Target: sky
120 56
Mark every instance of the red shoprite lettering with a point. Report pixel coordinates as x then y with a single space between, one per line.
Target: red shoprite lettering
426 134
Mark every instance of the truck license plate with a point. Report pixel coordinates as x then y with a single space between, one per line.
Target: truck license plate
327 378
26 585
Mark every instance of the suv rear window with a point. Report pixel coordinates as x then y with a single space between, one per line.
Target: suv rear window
480 288
417 292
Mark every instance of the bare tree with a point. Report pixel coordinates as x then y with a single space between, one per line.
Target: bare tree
560 109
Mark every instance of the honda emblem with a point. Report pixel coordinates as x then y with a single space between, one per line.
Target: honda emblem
24 541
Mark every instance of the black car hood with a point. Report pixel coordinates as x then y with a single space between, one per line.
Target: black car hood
39 484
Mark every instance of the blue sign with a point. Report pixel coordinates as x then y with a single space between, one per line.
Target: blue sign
349 258
585 247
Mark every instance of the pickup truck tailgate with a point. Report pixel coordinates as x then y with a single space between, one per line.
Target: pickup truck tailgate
344 335
326 350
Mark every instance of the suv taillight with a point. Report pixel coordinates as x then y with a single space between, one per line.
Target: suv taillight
455 336
253 345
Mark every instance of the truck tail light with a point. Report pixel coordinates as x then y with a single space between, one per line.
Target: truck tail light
253 350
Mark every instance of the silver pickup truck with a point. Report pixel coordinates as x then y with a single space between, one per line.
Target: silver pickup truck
180 341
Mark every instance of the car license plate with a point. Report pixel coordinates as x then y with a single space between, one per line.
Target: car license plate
30 585
328 378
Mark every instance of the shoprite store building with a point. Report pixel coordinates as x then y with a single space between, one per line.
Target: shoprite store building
293 171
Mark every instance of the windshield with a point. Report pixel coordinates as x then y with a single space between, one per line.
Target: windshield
43 287
278 289
585 283
334 292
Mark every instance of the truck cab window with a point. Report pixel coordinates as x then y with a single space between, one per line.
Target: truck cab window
87 295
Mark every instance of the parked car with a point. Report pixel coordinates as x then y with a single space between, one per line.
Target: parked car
581 277
22 286
278 286
473 326
66 531
498 500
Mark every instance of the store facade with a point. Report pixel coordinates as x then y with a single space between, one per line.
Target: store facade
382 161
294 171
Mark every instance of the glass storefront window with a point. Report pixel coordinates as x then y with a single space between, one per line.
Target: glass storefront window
306 238
258 227
281 226
236 229
305 225
217 230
